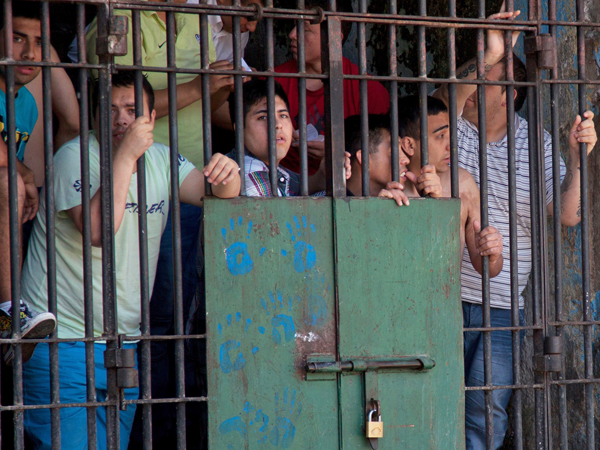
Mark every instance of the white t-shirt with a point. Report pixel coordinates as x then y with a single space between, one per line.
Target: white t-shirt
222 39
498 206
69 246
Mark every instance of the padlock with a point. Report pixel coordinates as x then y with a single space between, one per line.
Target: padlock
374 429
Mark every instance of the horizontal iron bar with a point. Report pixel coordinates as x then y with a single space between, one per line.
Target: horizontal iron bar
367 365
507 386
102 339
529 327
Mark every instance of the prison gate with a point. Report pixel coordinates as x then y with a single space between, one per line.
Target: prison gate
315 317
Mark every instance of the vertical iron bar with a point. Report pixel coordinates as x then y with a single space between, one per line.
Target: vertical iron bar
238 93
302 103
485 277
513 237
15 226
393 62
423 86
206 108
331 62
585 240
109 289
88 300
146 389
557 212
364 105
452 108
50 228
175 219
270 49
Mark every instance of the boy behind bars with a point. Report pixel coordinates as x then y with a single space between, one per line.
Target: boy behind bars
131 138
256 143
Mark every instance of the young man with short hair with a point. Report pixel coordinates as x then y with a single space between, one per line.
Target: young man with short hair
131 138
256 142
486 242
380 164
26 46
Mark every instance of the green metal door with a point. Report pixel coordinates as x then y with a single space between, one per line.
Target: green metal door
315 307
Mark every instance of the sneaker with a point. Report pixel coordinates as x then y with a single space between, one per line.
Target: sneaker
33 326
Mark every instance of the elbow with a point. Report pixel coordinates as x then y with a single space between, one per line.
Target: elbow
570 221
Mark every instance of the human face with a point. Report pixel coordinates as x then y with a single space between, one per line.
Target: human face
380 164
245 24
256 131
122 111
438 144
312 43
27 46
495 99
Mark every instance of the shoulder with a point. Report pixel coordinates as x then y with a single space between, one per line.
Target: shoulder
349 67
468 190
288 67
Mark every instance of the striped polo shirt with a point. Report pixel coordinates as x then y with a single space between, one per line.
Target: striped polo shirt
497 154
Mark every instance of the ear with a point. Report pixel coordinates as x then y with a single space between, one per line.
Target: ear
409 146
153 117
359 157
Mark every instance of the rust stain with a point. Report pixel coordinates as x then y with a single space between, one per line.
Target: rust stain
275 229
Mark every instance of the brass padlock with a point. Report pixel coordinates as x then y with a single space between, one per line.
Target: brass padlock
374 429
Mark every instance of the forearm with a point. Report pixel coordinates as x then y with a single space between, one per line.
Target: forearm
187 93
25 172
570 197
316 183
229 190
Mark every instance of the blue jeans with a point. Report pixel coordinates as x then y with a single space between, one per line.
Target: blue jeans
72 382
162 323
502 373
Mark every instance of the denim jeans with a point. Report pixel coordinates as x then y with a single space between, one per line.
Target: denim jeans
162 322
72 382
502 373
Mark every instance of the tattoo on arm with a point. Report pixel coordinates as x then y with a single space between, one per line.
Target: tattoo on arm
579 209
564 187
472 68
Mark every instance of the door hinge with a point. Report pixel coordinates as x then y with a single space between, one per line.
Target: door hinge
551 360
542 47
122 359
115 44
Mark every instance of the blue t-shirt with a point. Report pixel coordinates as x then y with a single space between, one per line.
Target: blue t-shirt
26 115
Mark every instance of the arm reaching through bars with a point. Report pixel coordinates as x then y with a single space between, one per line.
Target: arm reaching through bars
494 52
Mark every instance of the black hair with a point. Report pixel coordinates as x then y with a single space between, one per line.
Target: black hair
340 6
26 10
519 74
125 78
254 91
409 115
379 125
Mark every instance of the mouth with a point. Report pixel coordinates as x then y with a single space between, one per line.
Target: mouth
24 70
280 139
470 101
403 174
118 136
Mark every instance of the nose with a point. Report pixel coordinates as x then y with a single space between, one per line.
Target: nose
403 159
293 34
121 118
27 51
278 123
251 26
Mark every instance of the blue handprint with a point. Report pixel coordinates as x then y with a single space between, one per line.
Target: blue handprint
239 261
233 345
283 431
316 307
284 321
305 256
252 421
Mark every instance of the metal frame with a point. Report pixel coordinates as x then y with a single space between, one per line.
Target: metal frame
543 326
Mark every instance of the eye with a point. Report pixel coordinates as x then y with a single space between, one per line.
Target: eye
17 39
284 115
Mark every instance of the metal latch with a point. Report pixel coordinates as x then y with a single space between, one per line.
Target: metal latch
122 359
551 360
543 47
115 44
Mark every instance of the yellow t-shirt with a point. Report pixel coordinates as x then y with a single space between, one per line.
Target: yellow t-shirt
69 245
154 54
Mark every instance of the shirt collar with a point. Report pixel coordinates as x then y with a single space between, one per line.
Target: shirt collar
502 142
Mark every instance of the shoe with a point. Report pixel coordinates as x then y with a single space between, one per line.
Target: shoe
33 326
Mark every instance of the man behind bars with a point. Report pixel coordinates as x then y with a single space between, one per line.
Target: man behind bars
378 96
26 46
582 132
131 138
187 41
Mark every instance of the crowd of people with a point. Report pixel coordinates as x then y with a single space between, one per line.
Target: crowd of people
148 135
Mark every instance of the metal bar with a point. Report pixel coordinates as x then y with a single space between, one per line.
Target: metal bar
206 109
302 103
88 301
588 331
452 107
364 106
50 226
238 92
422 49
331 57
176 223
362 366
513 237
14 225
145 367
393 63
270 49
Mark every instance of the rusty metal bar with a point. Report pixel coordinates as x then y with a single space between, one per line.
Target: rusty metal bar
416 363
452 107
364 105
422 54
301 123
393 63
270 50
206 107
